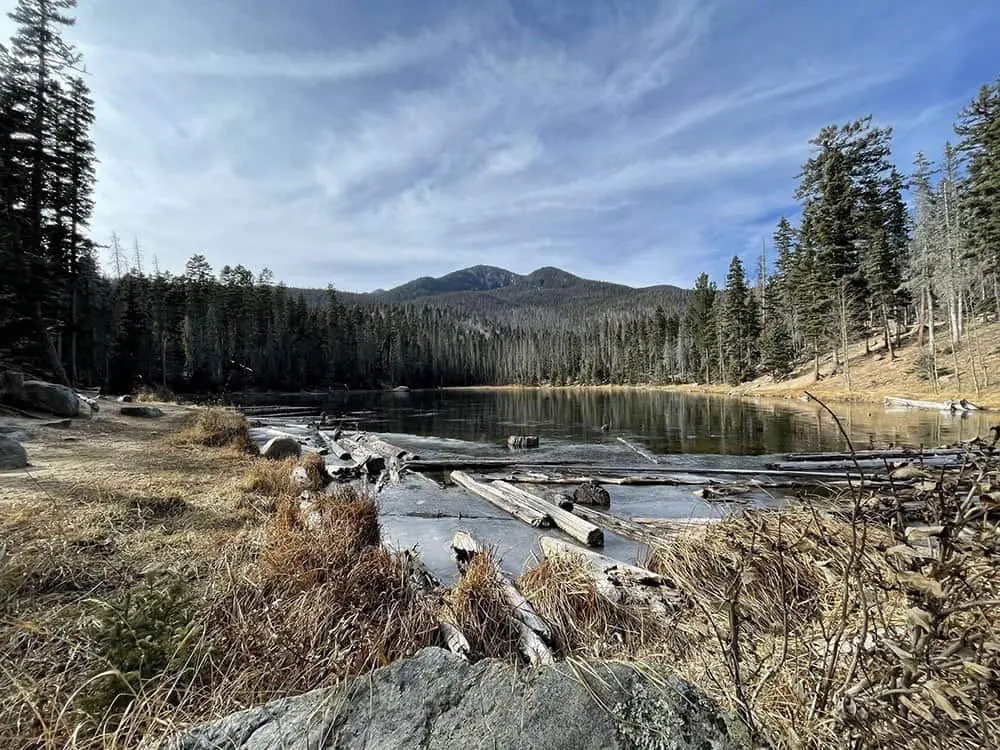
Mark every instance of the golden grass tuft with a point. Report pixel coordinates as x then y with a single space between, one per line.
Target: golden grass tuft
478 607
217 428
585 622
313 600
269 477
315 466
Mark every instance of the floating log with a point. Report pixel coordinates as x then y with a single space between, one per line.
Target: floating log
638 450
522 441
723 492
892 454
619 526
866 464
533 631
506 501
576 527
952 406
620 582
591 493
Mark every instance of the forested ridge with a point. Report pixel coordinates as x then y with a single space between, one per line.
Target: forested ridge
878 248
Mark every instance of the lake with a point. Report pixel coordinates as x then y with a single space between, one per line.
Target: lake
664 422
685 432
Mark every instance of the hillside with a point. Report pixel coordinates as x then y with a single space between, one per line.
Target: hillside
496 293
874 375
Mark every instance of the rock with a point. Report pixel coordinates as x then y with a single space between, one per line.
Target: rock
437 700
591 493
145 412
11 385
12 454
126 399
54 399
61 424
280 448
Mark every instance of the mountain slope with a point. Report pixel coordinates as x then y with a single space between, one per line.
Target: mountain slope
474 279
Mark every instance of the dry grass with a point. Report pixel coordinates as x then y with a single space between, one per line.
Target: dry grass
477 606
217 428
585 622
268 477
156 395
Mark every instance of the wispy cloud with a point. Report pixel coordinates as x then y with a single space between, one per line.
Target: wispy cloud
640 142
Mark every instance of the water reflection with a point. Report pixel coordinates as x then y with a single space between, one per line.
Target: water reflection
665 422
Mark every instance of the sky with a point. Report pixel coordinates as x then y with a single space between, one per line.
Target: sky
365 143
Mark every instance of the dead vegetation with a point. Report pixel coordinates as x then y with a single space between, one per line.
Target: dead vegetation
217 428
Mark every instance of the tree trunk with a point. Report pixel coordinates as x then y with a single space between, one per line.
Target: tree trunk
45 338
888 334
931 340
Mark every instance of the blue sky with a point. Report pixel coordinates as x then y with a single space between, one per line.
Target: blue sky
366 143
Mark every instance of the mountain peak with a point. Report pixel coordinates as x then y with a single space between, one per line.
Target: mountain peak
473 279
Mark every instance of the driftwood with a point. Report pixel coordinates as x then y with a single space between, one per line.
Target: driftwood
952 406
506 501
533 631
619 526
574 526
591 493
335 448
620 582
424 583
373 463
638 450
388 450
889 454
522 441
673 526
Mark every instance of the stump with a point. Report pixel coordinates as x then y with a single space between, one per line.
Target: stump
522 441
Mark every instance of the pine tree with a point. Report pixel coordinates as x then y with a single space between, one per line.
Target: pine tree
699 323
738 326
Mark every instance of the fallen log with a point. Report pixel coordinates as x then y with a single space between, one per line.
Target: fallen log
953 406
388 450
619 526
424 583
574 526
372 462
674 526
618 581
891 454
506 501
638 450
335 448
533 631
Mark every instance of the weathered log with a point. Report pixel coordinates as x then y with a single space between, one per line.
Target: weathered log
723 492
591 493
674 526
390 451
638 450
372 463
504 500
522 441
335 448
951 406
618 581
889 454
619 526
576 527
533 631
423 582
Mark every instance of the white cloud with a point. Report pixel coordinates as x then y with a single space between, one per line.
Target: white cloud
632 144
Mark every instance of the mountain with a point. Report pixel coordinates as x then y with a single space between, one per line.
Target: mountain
474 279
545 297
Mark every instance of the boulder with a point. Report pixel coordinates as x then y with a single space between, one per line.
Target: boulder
54 399
145 412
591 493
280 448
12 454
436 700
126 399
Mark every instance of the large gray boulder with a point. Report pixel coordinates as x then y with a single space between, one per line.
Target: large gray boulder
55 399
12 454
280 448
437 701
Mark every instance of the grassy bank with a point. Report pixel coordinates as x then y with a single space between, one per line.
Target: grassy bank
159 574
